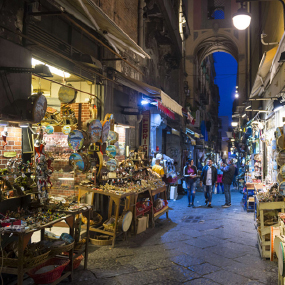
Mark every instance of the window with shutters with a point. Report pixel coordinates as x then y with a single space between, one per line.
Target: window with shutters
216 9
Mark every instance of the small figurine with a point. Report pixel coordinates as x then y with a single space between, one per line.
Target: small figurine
4 136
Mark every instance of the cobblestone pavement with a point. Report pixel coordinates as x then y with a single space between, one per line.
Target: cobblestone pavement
194 246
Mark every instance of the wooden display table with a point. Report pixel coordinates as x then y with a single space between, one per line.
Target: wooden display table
114 200
263 245
161 192
23 240
25 237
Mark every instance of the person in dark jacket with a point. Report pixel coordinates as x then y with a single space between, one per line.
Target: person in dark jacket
190 173
209 179
228 176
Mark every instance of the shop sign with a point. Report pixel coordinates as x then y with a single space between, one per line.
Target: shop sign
146 131
166 111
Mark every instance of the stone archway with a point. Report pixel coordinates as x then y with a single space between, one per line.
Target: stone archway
214 44
211 41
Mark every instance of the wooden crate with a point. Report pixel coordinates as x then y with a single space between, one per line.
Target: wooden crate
264 231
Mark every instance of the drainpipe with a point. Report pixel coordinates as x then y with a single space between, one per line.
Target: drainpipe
141 28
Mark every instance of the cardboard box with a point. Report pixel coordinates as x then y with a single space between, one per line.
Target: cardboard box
142 222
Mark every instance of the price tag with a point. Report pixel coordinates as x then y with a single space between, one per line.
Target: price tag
23 175
22 188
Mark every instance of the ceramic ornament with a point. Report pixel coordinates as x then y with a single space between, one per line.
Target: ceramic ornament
106 130
95 131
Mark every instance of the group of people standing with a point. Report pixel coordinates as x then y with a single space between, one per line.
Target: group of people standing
222 176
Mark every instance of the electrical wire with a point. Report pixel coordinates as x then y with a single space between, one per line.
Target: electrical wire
10 89
5 89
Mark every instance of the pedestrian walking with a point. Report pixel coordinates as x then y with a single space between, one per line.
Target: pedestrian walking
228 176
190 174
208 179
220 180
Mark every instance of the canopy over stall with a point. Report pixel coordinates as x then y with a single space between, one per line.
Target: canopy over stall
263 74
93 16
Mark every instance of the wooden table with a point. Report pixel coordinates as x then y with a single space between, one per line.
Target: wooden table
114 200
25 237
23 240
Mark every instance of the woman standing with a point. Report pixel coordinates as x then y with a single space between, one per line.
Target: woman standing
190 173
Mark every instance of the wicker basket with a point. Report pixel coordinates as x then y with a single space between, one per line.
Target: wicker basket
28 262
60 249
76 263
102 240
51 276
109 226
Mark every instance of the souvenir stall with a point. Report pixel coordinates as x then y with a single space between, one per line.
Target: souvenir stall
27 208
269 198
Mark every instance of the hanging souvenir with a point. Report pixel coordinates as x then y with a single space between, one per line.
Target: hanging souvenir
282 171
111 150
106 130
279 132
66 130
282 188
111 164
279 178
67 94
99 162
281 142
78 140
39 105
113 137
281 158
80 160
95 131
4 134
49 129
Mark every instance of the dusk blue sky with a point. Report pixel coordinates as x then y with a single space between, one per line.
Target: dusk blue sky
226 78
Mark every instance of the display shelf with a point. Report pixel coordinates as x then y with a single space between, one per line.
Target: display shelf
161 212
264 245
24 238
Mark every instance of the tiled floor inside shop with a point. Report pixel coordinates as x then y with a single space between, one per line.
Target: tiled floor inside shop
195 246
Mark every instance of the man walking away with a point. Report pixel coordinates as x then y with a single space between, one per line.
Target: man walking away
228 176
208 178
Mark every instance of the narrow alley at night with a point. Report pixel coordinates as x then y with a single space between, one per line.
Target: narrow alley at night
142 141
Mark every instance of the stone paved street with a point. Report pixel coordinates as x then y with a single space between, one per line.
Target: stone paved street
195 246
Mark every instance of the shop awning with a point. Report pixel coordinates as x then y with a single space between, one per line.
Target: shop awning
275 63
263 73
150 91
94 17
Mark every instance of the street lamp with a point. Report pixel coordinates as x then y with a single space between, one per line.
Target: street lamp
242 18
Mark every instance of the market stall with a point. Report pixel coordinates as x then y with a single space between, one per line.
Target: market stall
58 161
